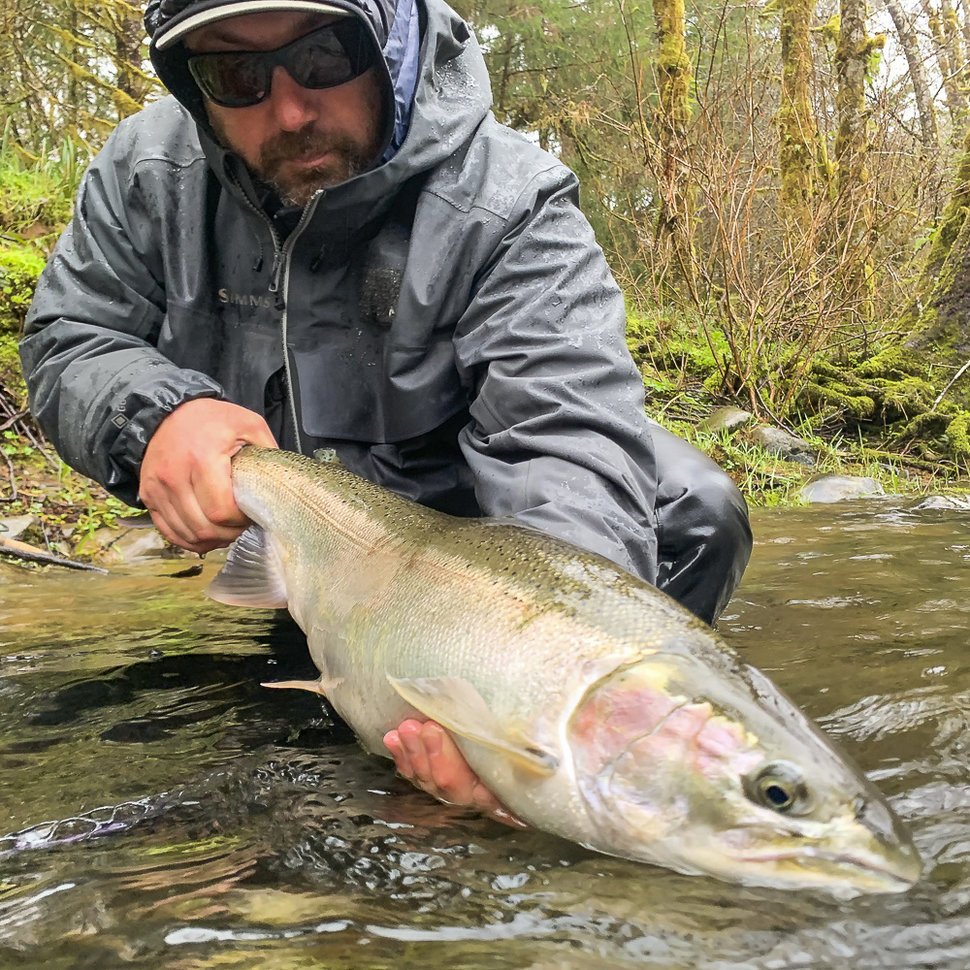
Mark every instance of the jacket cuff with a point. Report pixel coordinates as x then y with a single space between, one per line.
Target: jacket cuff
135 417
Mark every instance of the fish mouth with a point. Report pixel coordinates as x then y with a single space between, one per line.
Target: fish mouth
894 878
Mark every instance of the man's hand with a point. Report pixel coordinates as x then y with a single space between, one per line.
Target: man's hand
185 479
425 754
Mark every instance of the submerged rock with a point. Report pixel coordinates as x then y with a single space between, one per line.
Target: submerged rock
946 503
840 488
131 546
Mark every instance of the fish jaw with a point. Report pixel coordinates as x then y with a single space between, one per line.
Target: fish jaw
673 778
844 858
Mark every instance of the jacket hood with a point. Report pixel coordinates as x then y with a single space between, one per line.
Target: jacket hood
416 40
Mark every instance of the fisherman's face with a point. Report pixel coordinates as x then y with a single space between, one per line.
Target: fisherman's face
298 139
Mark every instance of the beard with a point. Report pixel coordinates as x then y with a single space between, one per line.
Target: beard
296 185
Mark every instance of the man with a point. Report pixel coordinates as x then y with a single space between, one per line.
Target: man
325 239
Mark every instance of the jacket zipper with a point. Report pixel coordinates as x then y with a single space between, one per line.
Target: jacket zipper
279 282
281 275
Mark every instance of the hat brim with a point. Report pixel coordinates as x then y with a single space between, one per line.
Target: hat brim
179 28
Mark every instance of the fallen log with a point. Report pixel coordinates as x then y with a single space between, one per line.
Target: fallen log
23 550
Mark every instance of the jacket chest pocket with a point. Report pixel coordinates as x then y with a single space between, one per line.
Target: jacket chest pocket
238 346
360 370
358 384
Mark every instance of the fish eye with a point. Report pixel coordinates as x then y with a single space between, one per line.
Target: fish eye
778 785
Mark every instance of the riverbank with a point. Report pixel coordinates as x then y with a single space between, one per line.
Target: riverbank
44 504
51 508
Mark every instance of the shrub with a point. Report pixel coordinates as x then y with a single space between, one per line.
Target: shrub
20 265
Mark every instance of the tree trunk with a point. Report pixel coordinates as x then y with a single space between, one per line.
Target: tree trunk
953 38
964 21
940 317
948 56
796 124
855 216
917 75
127 31
676 210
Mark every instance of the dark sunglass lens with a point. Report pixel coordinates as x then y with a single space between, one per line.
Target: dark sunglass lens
321 62
231 80
358 45
332 55
324 58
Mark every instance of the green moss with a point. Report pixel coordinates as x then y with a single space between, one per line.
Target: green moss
946 234
35 200
957 437
830 29
20 265
905 397
889 387
926 425
11 380
951 223
891 362
693 347
845 377
837 396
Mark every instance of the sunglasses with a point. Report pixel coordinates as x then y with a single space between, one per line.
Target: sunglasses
331 55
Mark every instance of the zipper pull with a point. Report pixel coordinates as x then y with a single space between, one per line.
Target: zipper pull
275 278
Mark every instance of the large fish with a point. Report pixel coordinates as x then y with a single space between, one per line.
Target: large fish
591 704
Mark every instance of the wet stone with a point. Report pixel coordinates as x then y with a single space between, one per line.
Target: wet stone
725 419
840 488
137 544
944 503
785 445
16 526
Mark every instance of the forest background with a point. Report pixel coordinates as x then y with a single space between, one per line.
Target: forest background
781 187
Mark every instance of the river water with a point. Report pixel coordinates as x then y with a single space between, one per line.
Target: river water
159 809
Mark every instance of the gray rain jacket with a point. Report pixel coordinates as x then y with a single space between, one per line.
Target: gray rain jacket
445 321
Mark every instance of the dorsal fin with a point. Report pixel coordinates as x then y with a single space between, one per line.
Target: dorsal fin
326 456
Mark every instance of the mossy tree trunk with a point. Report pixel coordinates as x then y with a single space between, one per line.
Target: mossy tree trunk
949 56
675 215
925 108
796 123
58 84
128 36
939 318
956 51
855 212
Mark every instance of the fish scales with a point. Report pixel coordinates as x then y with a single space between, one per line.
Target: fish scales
593 705
485 580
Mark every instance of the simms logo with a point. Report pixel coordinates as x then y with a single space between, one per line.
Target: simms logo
245 299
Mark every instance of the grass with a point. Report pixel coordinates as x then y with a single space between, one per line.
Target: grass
69 508
37 192
767 480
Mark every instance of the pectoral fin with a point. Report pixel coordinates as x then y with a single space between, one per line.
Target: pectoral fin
252 574
456 705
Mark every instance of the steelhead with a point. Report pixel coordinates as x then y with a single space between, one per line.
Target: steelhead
590 703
